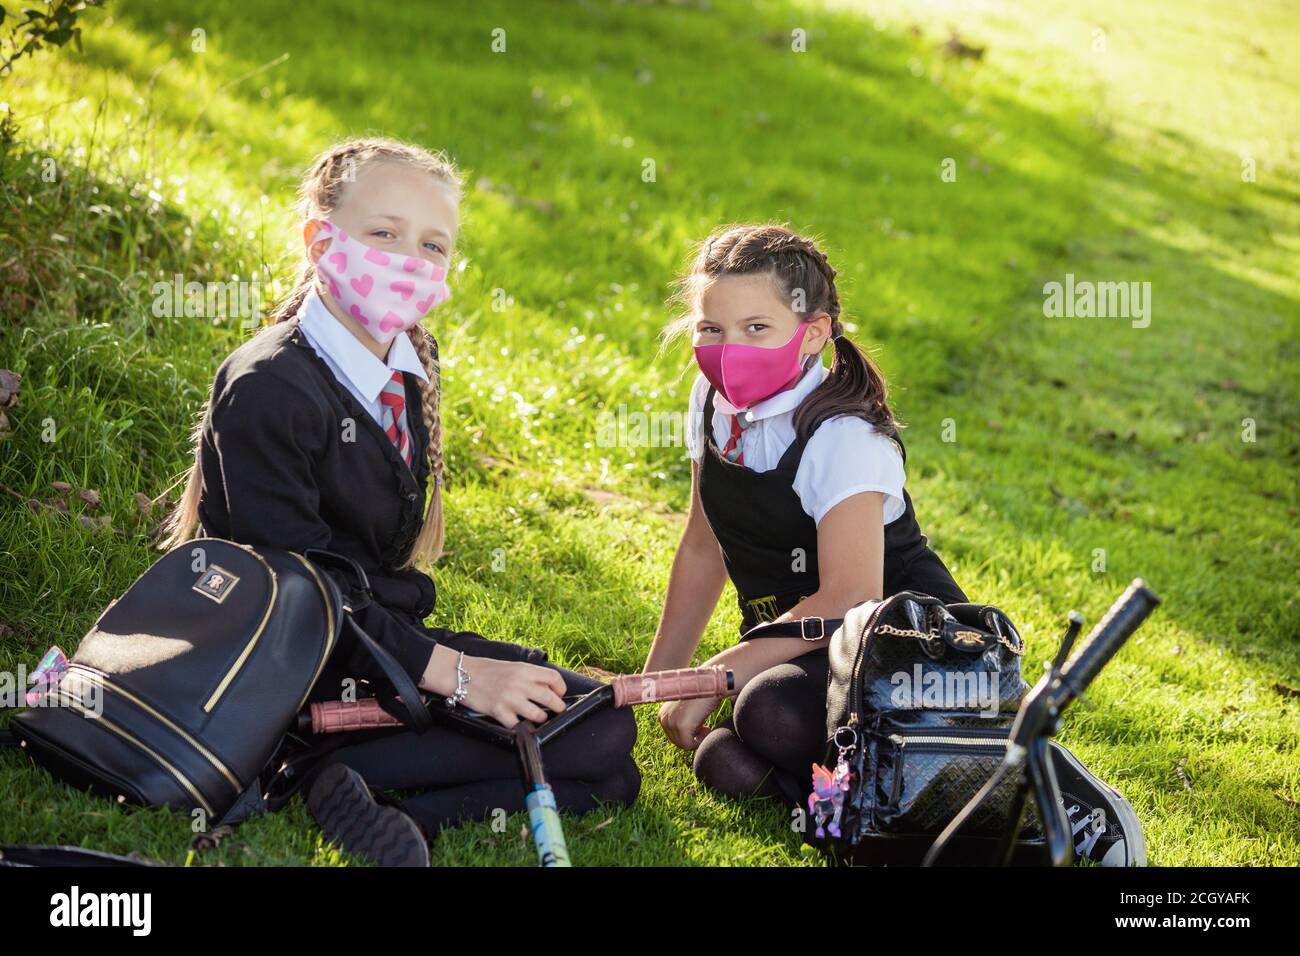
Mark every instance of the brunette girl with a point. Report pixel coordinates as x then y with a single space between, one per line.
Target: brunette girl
798 496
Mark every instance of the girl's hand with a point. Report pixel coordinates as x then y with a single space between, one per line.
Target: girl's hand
683 720
511 691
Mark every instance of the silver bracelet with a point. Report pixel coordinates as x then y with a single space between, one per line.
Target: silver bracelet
462 679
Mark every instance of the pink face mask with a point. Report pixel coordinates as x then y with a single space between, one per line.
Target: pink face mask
747 374
386 292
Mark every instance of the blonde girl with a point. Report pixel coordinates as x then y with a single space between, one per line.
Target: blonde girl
323 431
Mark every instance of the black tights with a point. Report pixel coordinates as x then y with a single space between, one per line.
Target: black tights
776 730
459 777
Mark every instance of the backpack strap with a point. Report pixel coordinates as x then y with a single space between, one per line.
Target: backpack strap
406 704
65 856
791 457
809 628
358 594
892 435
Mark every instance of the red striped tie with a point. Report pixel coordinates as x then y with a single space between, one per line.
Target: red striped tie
732 452
393 416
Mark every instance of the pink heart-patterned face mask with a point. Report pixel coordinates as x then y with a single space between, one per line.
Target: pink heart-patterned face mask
385 292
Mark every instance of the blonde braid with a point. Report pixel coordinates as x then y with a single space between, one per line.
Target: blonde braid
428 543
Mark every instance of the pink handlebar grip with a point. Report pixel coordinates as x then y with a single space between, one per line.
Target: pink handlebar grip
336 716
683 684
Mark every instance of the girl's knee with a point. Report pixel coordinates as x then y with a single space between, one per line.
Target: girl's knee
781 710
717 748
723 763
602 741
621 787
757 709
617 732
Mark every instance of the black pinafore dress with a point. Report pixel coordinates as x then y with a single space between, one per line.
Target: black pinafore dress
769 543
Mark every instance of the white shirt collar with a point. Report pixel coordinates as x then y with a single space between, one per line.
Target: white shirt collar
781 402
367 373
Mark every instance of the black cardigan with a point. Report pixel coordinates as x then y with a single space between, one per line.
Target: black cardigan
290 459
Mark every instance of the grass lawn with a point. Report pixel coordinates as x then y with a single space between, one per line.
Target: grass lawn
1051 459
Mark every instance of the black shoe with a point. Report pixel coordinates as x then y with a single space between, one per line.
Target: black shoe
349 815
1106 829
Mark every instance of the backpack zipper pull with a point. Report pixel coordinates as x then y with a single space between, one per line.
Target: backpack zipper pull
845 740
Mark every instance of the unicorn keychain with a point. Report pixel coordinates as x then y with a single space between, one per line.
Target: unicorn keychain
826 802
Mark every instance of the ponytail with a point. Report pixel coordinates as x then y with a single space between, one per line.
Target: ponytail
853 386
180 525
289 306
429 540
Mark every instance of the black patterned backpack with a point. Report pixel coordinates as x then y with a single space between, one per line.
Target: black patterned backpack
920 699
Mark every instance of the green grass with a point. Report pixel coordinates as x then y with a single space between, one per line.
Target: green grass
1072 435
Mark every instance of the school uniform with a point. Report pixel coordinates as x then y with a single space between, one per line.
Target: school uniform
293 454
764 491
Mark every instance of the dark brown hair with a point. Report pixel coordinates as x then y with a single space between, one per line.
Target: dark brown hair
855 385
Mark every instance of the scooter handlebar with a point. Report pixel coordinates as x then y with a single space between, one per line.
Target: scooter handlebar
334 716
1124 617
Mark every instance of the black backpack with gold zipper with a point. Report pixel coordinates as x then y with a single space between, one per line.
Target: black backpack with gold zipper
183 691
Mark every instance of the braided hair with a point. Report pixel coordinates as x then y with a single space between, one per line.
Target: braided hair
855 385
